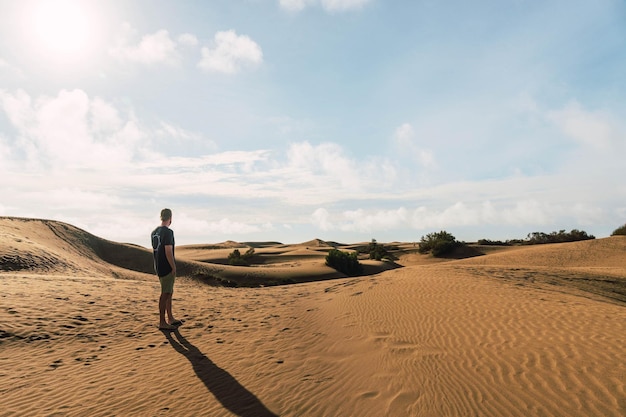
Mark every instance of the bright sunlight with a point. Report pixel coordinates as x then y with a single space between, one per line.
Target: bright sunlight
61 27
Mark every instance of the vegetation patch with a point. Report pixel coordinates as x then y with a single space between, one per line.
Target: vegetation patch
439 244
539 238
377 251
237 259
619 231
345 262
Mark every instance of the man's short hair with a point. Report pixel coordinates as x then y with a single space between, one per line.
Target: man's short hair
166 214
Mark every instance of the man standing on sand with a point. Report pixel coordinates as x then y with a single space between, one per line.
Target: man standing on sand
165 267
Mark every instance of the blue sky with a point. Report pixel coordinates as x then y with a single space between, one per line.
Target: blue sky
289 120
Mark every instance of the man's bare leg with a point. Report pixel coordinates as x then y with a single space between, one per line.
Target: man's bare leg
164 300
168 309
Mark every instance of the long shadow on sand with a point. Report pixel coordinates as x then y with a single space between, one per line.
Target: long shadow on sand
226 389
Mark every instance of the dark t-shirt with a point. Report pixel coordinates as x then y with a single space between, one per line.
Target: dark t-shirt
162 236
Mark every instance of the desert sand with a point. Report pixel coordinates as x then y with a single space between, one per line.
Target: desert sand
521 331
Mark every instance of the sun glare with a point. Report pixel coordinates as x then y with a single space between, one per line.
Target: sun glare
61 27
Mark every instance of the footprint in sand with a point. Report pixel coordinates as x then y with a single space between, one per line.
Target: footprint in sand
369 394
401 403
56 363
36 337
87 361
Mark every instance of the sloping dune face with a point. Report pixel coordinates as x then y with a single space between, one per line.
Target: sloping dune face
56 247
435 341
592 267
595 253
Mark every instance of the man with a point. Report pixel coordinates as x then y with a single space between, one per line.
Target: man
165 267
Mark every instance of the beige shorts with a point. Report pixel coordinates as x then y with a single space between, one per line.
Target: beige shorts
167 283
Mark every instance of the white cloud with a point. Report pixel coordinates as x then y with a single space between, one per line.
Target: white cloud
587 214
156 48
527 212
230 163
454 215
330 6
404 137
472 214
326 159
363 221
594 128
5 154
343 5
7 69
188 39
73 131
295 5
320 218
230 53
192 226
66 199
180 135
325 167
404 133
16 106
104 117
70 130
459 214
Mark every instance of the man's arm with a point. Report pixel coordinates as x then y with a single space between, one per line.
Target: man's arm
169 254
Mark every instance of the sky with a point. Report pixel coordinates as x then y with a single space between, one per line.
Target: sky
289 120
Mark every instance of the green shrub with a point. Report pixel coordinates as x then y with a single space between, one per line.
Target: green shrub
488 242
345 262
237 259
377 251
619 231
438 243
538 238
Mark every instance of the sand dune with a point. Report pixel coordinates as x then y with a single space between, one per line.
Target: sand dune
608 252
511 333
588 268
